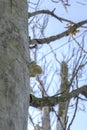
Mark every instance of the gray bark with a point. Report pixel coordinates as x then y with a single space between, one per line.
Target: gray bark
14 88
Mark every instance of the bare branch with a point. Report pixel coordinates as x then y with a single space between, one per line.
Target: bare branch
73 115
82 3
61 35
81 47
49 13
52 101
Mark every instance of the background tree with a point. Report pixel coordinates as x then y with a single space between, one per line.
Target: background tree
43 43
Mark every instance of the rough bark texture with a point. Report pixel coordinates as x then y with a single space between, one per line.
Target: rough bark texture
14 88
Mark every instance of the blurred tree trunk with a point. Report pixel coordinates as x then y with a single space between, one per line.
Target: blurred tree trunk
45 117
14 88
64 89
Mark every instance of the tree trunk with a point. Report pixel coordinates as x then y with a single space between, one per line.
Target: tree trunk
45 114
14 88
64 89
45 118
